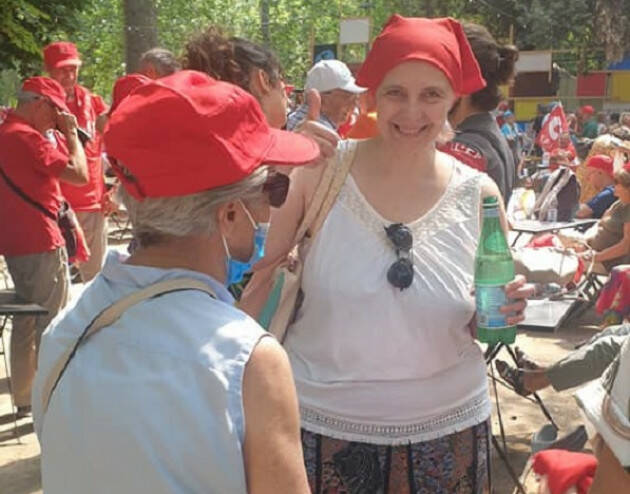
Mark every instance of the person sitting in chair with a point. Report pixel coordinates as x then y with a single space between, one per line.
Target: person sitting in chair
575 369
608 241
601 176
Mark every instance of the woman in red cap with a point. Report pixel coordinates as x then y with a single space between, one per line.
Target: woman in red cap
392 386
179 392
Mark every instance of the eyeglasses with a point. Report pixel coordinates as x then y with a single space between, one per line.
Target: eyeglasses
400 274
277 188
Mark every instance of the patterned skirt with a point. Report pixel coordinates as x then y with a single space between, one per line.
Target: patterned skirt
454 464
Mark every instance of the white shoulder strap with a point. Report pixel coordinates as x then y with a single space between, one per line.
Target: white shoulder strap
109 316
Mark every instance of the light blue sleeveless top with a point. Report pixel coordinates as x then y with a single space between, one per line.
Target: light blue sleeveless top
153 403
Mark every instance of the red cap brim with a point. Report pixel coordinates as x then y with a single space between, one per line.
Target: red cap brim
67 62
289 148
61 105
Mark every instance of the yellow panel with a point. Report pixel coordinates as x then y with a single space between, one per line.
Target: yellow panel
525 109
505 91
620 85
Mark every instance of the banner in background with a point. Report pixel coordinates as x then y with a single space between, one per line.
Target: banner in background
553 127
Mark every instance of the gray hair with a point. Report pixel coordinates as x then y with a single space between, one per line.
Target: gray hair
163 60
193 214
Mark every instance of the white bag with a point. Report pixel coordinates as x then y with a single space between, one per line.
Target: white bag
546 264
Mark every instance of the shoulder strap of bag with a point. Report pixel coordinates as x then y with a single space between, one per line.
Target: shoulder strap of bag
327 191
109 316
26 198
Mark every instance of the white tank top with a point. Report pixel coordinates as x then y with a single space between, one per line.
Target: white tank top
376 364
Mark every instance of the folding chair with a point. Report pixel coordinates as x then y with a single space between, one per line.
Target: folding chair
584 295
490 355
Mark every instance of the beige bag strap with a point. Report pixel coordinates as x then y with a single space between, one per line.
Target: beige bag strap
333 178
109 316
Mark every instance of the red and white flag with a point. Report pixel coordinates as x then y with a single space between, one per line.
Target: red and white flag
555 125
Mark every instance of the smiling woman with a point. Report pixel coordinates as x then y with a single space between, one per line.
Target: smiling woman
392 386
413 102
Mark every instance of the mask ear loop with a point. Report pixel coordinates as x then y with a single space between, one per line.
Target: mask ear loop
225 246
249 215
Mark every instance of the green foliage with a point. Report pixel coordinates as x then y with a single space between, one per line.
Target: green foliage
97 26
27 25
9 84
99 37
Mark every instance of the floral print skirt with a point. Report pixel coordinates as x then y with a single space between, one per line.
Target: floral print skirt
454 464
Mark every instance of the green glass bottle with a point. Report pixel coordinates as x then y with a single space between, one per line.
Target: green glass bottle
494 268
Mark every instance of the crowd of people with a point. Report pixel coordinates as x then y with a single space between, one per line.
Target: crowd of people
155 379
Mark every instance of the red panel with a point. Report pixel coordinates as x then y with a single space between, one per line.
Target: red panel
591 85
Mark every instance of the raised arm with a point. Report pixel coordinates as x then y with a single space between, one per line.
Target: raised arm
76 172
285 222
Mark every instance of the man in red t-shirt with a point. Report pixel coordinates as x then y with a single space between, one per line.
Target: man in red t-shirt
90 201
31 242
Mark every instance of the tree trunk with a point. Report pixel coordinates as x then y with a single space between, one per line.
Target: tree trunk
428 8
140 30
264 21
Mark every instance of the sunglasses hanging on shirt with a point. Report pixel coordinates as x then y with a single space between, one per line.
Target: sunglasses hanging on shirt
400 274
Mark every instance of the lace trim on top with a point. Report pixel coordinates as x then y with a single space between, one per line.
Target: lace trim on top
456 205
472 412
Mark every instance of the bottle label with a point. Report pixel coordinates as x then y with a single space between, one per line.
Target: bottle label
490 298
492 212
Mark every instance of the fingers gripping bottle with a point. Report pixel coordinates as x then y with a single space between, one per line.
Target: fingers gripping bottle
494 268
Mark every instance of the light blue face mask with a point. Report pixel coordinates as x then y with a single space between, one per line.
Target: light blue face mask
236 269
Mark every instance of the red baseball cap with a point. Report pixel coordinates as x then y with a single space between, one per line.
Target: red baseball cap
51 89
187 132
601 162
61 54
124 86
587 110
440 42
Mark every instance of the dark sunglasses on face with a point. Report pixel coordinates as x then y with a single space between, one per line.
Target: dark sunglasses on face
400 274
277 188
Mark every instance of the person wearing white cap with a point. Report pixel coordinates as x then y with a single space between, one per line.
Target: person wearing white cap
338 90
606 405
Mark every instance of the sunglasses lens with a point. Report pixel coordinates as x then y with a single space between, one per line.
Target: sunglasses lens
400 236
277 187
400 274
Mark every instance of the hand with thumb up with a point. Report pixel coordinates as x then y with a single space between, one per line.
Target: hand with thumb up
326 138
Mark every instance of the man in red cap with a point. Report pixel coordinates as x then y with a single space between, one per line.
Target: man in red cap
586 117
601 175
31 168
62 62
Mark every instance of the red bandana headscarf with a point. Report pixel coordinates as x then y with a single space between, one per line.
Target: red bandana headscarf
440 42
